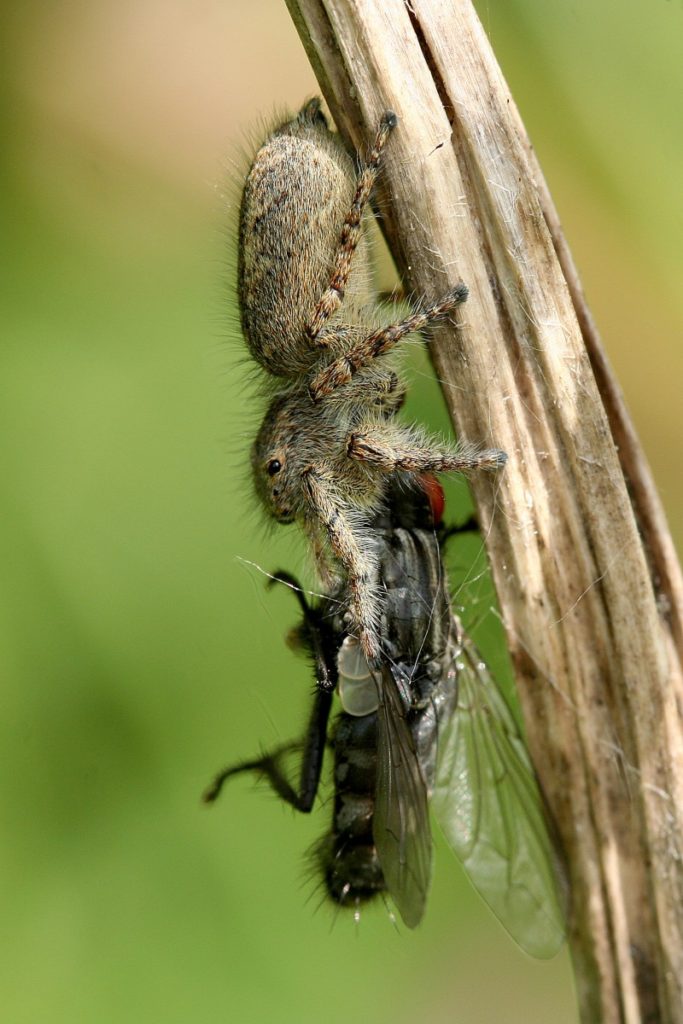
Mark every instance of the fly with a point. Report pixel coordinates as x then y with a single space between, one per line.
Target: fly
428 725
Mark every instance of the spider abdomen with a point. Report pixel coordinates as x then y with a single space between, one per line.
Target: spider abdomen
296 196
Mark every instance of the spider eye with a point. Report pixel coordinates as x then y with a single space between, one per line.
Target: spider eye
273 467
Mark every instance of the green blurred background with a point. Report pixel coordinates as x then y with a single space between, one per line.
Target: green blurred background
138 652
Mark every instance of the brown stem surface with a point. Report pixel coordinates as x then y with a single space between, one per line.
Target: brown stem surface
587 579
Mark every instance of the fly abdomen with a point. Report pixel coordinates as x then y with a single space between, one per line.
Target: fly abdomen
347 855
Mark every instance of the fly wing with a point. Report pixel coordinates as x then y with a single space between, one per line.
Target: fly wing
401 828
489 807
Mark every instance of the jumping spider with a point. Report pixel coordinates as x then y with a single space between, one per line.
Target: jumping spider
329 443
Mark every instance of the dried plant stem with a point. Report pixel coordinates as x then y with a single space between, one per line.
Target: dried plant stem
587 579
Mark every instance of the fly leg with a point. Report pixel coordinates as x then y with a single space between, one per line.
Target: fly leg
271 766
470 525
314 633
318 636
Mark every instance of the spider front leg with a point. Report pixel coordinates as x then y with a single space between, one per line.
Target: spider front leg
361 565
394 448
350 235
343 369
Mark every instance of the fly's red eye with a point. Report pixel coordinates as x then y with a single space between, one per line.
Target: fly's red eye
273 467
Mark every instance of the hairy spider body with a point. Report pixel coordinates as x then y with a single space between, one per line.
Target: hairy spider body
329 443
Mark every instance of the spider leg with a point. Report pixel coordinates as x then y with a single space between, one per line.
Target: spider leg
350 235
361 566
342 370
381 388
391 448
385 390
327 571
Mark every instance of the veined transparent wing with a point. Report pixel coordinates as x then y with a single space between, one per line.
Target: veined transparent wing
401 829
488 805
